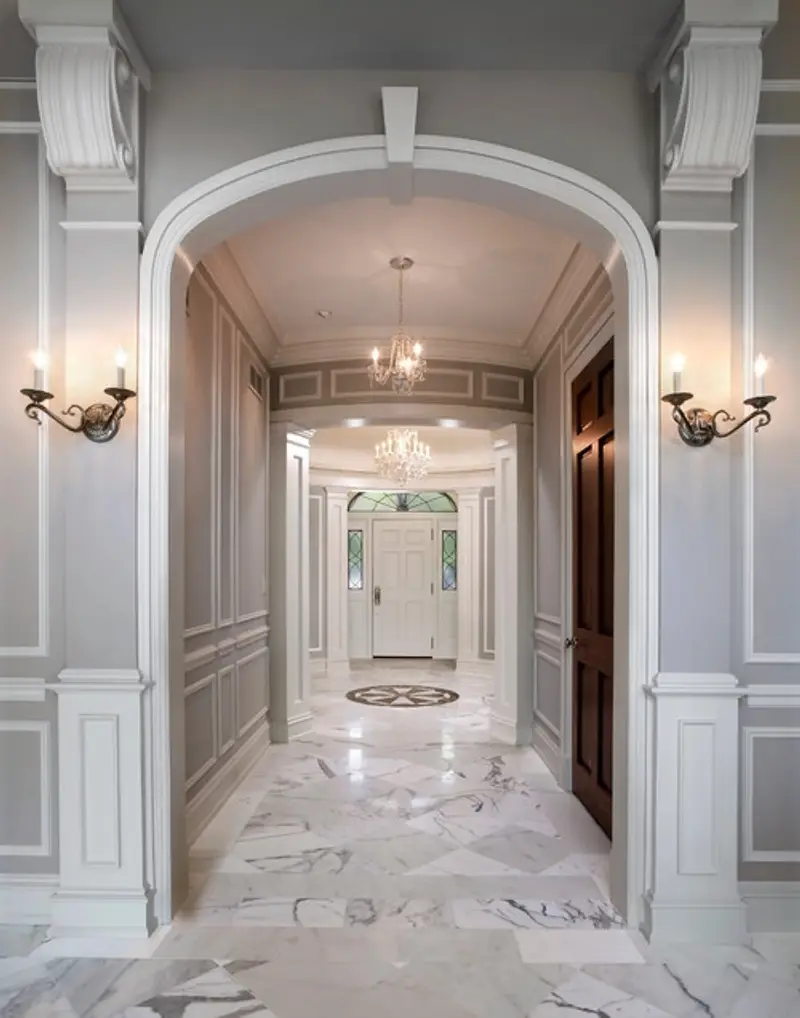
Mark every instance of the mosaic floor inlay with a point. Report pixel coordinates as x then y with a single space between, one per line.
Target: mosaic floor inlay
402 696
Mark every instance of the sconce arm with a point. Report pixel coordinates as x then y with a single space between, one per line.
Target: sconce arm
759 413
99 422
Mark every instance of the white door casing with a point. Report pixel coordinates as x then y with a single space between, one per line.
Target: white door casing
402 587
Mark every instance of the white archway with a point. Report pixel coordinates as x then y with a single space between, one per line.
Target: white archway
445 167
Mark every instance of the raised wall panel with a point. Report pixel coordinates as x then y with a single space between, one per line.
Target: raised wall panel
300 387
548 438
697 841
771 800
100 789
547 701
199 460
316 542
497 387
252 544
252 688
487 574
24 466
25 801
226 708
201 728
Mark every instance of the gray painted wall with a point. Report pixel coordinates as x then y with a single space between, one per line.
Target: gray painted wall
226 639
31 536
766 509
486 645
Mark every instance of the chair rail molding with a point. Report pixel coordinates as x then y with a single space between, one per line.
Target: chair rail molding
88 71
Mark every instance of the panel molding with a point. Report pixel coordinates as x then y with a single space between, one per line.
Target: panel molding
41 649
99 784
515 401
222 318
786 695
750 734
751 656
294 376
244 727
485 648
27 690
321 546
44 846
228 672
189 691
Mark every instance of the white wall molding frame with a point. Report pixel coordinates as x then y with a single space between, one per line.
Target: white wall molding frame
751 735
336 555
468 573
487 652
41 731
694 892
481 172
26 899
87 79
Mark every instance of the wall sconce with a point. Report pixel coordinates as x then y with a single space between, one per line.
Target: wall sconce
698 427
99 422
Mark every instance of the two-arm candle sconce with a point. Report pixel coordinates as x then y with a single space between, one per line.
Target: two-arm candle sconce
99 422
698 427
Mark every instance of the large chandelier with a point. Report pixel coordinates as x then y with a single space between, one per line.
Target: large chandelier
406 363
402 457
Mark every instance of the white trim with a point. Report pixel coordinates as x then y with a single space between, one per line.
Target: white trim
26 899
28 690
228 670
517 401
96 678
321 562
284 400
781 696
549 639
17 84
20 127
750 655
242 729
213 796
101 225
694 225
550 752
485 500
778 130
44 846
749 852
772 906
222 317
204 768
334 162
780 85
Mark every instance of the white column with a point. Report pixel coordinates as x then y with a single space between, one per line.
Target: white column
469 594
290 667
336 521
694 887
512 710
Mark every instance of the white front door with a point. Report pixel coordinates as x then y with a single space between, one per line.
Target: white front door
402 588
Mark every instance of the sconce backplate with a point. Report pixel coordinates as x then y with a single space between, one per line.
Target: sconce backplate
100 423
697 427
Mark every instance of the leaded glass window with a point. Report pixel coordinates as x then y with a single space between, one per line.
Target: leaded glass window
449 560
355 559
402 502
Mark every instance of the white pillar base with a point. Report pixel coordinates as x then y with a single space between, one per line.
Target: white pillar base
694 893
294 728
102 913
510 732
478 667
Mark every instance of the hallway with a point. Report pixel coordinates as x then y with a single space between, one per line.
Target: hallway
395 863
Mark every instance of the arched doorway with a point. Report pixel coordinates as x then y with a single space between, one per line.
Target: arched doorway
443 167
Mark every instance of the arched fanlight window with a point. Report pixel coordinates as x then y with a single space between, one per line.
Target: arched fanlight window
402 502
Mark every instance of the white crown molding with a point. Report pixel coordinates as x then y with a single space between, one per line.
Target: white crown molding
355 348
579 269
709 137
101 225
355 480
223 268
693 225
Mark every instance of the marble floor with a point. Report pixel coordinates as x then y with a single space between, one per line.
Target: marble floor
395 862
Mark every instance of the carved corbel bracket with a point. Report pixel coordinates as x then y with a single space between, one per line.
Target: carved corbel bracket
88 107
711 95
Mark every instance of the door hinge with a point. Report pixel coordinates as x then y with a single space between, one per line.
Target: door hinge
431 588
431 643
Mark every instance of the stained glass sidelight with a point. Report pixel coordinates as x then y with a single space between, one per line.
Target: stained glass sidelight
402 502
449 560
355 559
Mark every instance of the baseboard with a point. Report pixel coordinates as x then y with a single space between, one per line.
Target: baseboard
319 667
772 906
695 922
338 669
295 728
509 732
27 899
481 669
213 796
108 913
547 748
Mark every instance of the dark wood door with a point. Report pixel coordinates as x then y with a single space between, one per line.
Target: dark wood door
593 585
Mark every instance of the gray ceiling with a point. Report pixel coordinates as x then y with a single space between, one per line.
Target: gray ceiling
414 35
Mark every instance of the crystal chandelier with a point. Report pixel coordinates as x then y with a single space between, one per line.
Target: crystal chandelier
406 363
402 457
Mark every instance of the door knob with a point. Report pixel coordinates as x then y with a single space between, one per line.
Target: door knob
571 641
376 596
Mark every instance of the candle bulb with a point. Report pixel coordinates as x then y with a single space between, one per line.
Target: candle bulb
122 360
375 355
678 363
759 369
39 358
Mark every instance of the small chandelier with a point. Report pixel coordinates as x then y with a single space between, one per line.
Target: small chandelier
402 457
406 363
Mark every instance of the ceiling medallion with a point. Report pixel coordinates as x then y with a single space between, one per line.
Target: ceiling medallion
406 364
401 456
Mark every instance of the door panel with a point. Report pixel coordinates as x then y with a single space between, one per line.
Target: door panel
402 607
593 585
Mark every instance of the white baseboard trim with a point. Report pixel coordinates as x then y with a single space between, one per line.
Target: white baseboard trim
695 922
338 669
213 796
27 899
319 667
549 750
772 906
110 913
482 669
509 732
295 728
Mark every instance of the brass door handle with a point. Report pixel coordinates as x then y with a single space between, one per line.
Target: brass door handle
376 597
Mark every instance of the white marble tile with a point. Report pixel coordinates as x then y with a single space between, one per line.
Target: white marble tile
531 913
522 848
213 995
586 864
584 995
312 913
578 947
398 914
460 829
465 863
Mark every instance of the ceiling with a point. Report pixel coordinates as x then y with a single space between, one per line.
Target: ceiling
481 277
353 449
415 35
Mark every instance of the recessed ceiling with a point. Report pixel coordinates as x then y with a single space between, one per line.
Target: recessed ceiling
481 276
616 35
353 449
